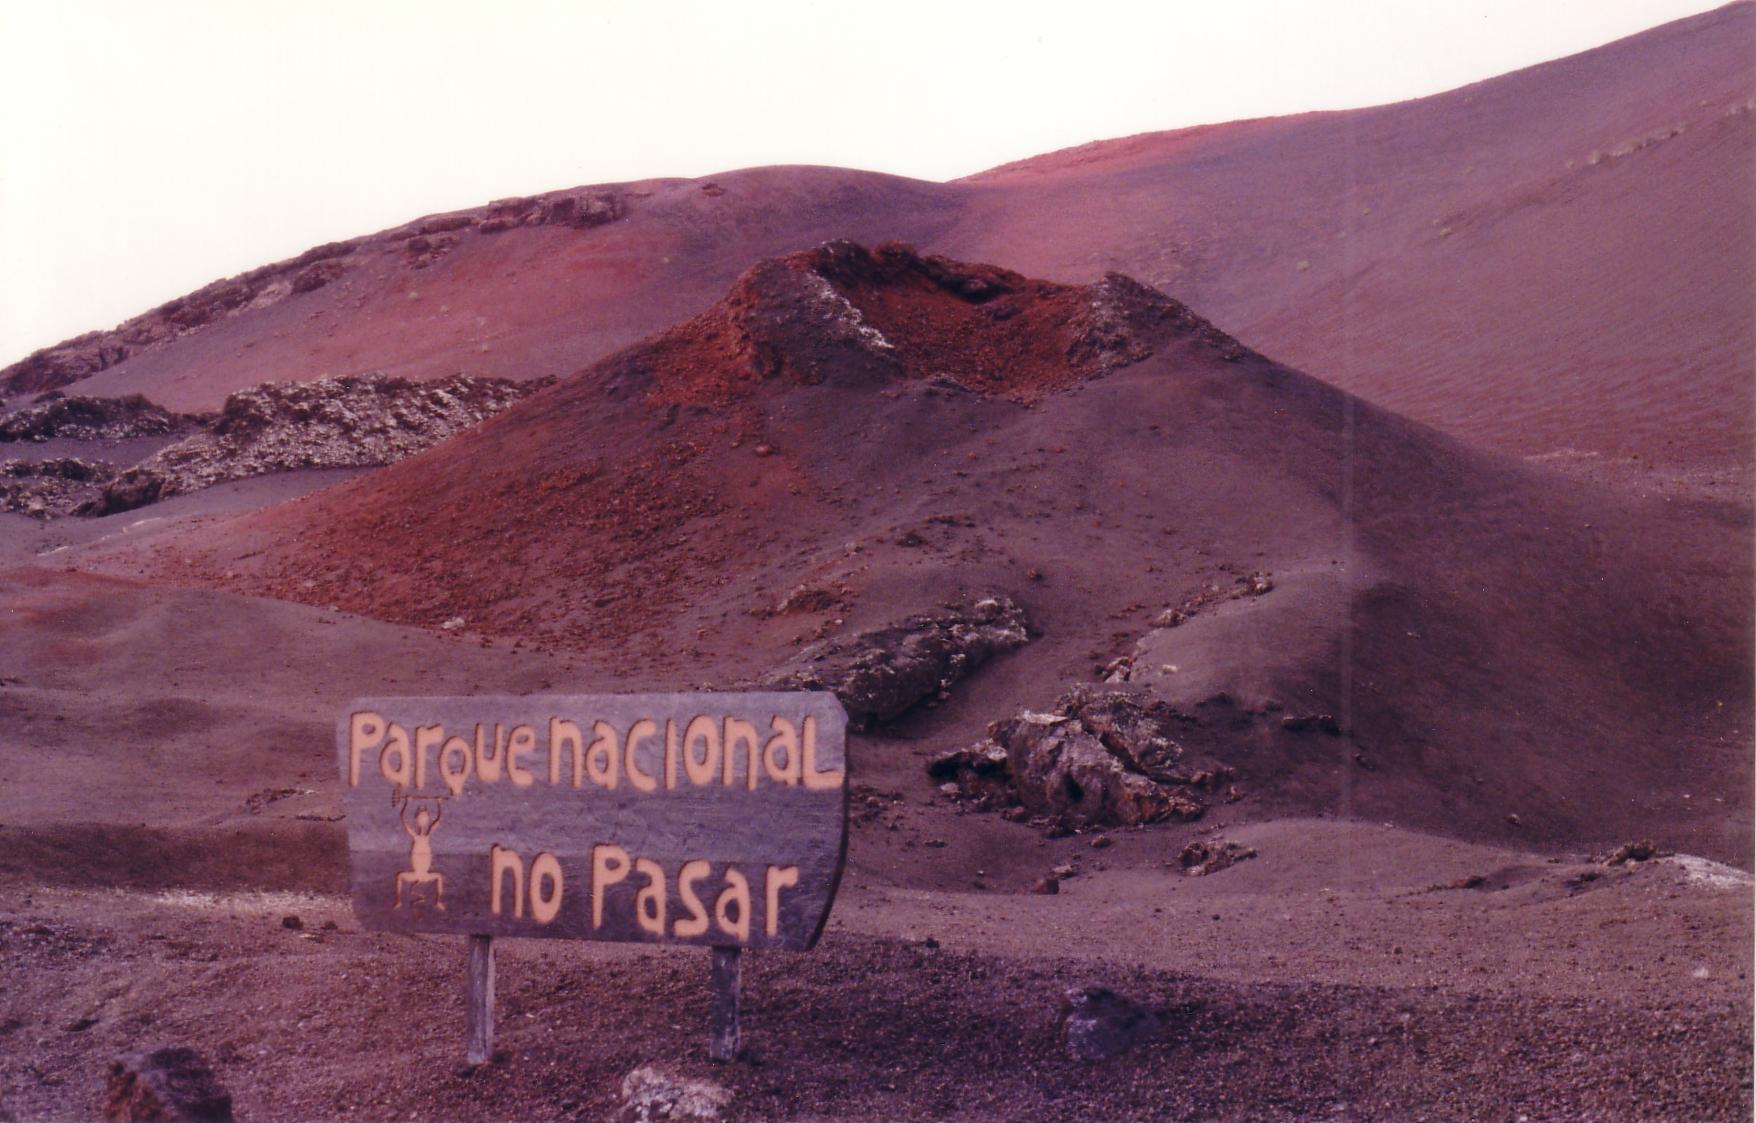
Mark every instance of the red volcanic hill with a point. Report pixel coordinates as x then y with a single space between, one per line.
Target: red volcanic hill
850 437
1556 259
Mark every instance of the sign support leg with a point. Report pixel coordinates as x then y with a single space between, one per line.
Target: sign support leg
480 1045
727 972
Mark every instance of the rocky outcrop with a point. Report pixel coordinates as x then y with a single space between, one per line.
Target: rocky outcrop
1124 321
86 355
48 489
347 422
1101 758
172 1085
91 419
844 314
881 675
578 209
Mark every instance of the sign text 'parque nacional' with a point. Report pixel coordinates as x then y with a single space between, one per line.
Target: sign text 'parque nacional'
711 819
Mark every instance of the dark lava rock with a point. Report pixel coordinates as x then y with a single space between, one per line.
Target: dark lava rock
1622 855
883 674
1135 729
51 488
1097 1024
355 421
91 419
981 772
172 1085
1304 723
1100 758
580 210
1202 857
1061 769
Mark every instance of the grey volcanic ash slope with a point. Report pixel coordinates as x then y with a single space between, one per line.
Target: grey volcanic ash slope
851 438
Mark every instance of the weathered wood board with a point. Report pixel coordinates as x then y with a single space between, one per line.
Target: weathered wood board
711 819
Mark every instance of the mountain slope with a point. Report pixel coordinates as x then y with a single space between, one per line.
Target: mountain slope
1561 257
834 447
1557 259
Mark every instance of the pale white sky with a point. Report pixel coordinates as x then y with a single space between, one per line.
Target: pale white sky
147 148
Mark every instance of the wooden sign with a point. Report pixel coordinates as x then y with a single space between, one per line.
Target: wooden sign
710 819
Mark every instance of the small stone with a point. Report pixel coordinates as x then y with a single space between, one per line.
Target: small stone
949 788
653 1095
453 624
291 920
763 450
1065 870
1046 886
1100 842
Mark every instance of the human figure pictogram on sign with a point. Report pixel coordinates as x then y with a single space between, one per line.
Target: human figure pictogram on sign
420 871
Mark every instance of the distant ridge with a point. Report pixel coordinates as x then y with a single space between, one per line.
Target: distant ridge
1557 262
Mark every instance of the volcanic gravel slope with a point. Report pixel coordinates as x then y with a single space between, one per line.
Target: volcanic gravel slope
1507 654
1350 970
1554 262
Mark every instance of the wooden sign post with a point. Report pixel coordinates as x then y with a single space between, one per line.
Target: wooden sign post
710 819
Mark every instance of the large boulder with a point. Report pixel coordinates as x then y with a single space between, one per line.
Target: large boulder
1061 769
1100 758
